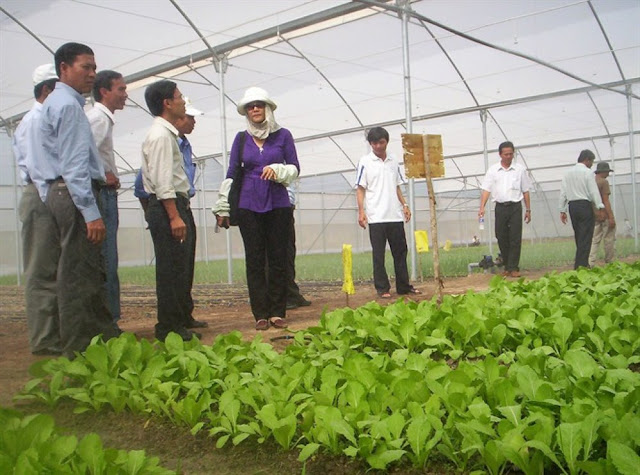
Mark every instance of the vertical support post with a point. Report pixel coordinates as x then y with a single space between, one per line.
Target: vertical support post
487 215
203 213
221 63
19 262
613 177
632 155
405 5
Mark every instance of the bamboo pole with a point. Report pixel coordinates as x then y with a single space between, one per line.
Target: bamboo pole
434 223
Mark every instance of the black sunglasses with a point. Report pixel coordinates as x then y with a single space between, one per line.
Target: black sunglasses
258 104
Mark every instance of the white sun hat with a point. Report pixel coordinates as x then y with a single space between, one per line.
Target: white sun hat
254 94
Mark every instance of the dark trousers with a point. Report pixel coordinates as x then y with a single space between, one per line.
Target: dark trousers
173 281
109 209
509 233
582 220
265 236
293 291
191 262
82 302
41 254
380 234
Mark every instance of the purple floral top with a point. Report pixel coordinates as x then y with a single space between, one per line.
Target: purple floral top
256 194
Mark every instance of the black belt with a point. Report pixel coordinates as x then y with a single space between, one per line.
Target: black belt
508 203
179 198
579 201
96 184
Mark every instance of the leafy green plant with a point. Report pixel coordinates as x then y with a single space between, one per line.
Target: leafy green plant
31 444
531 374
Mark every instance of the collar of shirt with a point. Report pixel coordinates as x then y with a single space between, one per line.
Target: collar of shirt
60 86
166 124
512 166
101 107
183 143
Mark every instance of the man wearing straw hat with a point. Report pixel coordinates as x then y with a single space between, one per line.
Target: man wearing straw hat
40 256
605 227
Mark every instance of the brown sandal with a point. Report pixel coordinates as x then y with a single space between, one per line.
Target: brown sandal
262 325
277 322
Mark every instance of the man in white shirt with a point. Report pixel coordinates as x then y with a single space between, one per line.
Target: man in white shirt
110 94
378 183
168 211
508 184
40 254
580 192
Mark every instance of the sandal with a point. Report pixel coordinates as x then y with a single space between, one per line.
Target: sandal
262 324
384 295
277 322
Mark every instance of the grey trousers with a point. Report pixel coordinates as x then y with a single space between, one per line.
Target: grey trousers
41 252
82 299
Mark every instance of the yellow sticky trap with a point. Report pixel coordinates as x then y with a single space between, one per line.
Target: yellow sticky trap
447 245
422 241
347 267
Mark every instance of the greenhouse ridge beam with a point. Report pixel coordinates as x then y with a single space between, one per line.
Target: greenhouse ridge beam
248 40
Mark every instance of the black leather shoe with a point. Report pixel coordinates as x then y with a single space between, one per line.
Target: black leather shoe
292 305
193 323
186 335
47 352
303 302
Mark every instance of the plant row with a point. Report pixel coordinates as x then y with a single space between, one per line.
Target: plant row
537 375
32 444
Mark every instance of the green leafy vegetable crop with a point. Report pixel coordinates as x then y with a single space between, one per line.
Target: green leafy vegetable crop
538 375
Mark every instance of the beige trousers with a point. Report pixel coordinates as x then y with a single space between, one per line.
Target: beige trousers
602 232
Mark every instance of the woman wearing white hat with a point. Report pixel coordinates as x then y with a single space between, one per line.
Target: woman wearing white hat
270 162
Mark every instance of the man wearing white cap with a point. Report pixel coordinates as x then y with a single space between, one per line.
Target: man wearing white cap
185 126
39 255
110 94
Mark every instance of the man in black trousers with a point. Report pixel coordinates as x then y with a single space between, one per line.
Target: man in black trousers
580 192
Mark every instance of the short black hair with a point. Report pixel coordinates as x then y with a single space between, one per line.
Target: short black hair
104 79
586 155
50 83
68 52
377 133
506 144
156 93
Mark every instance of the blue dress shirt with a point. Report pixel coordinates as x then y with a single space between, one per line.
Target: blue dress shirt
33 166
67 144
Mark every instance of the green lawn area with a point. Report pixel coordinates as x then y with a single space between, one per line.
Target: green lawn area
328 267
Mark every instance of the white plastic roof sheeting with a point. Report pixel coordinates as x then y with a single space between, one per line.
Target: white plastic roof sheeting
559 88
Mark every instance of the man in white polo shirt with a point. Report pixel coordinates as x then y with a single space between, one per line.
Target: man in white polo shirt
378 183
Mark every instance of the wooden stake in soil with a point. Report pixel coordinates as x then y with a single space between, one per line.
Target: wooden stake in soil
428 150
